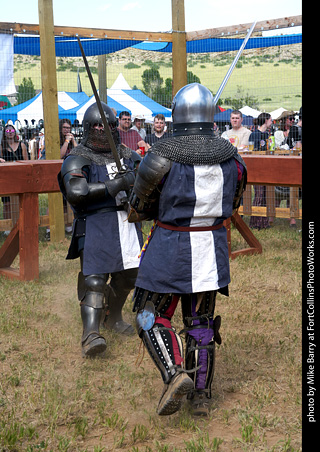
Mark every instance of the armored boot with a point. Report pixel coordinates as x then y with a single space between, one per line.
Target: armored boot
91 296
116 293
93 343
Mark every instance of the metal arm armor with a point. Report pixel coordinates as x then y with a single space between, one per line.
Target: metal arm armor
151 171
73 182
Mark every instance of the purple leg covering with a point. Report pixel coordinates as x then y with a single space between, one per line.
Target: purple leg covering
203 336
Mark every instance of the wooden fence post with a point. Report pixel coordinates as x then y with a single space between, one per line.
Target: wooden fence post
50 110
179 46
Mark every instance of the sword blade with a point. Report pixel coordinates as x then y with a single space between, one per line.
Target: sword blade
225 80
103 117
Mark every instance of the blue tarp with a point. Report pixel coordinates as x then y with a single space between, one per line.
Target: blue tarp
69 47
223 44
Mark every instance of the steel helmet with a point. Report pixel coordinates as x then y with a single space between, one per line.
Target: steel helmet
193 103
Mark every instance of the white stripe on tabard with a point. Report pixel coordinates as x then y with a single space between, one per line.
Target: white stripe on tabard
208 188
129 242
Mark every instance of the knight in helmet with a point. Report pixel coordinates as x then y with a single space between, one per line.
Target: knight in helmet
189 184
107 245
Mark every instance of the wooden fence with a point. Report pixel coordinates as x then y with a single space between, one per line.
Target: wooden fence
26 179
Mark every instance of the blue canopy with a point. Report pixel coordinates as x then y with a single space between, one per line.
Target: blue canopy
69 47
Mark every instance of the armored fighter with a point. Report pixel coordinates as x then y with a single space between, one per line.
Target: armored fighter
189 184
108 246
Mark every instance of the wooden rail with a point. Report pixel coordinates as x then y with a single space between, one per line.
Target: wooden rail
27 179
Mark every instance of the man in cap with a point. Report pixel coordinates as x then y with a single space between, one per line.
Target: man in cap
108 246
189 183
138 126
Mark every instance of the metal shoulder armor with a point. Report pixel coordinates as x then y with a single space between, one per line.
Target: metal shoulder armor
150 173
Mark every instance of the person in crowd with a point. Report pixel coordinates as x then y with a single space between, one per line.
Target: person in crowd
138 126
11 150
295 133
260 139
67 143
238 135
42 147
67 139
159 124
106 243
189 194
292 137
128 136
33 146
284 124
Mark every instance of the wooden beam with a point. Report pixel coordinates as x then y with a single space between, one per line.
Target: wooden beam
102 76
100 33
179 49
272 24
30 176
29 236
274 170
50 109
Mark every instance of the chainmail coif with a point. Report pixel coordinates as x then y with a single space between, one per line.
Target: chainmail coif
195 149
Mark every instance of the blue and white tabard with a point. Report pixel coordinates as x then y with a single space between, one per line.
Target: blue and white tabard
197 261
112 244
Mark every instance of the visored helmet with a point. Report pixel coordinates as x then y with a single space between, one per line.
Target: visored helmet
97 139
193 103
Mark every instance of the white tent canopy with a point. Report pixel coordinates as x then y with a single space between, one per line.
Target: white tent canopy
248 111
122 98
33 108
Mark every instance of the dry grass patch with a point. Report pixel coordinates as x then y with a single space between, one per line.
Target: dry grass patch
53 400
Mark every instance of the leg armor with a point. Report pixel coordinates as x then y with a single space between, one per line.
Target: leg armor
201 334
91 296
116 293
162 342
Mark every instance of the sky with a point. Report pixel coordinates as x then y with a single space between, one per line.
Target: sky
150 15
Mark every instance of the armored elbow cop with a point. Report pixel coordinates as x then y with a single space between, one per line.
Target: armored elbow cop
151 171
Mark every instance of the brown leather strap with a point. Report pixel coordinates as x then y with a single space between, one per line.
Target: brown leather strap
189 228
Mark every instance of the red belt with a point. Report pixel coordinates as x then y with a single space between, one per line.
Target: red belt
189 228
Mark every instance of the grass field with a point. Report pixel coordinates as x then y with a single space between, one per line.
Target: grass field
273 77
53 400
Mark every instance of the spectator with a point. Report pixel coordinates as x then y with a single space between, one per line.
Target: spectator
138 124
285 122
129 137
159 132
42 149
11 150
33 146
237 135
67 140
295 133
260 138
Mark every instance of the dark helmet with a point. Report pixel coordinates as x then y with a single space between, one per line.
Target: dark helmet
91 117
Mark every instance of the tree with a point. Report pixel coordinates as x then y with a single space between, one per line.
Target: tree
151 82
152 86
26 90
